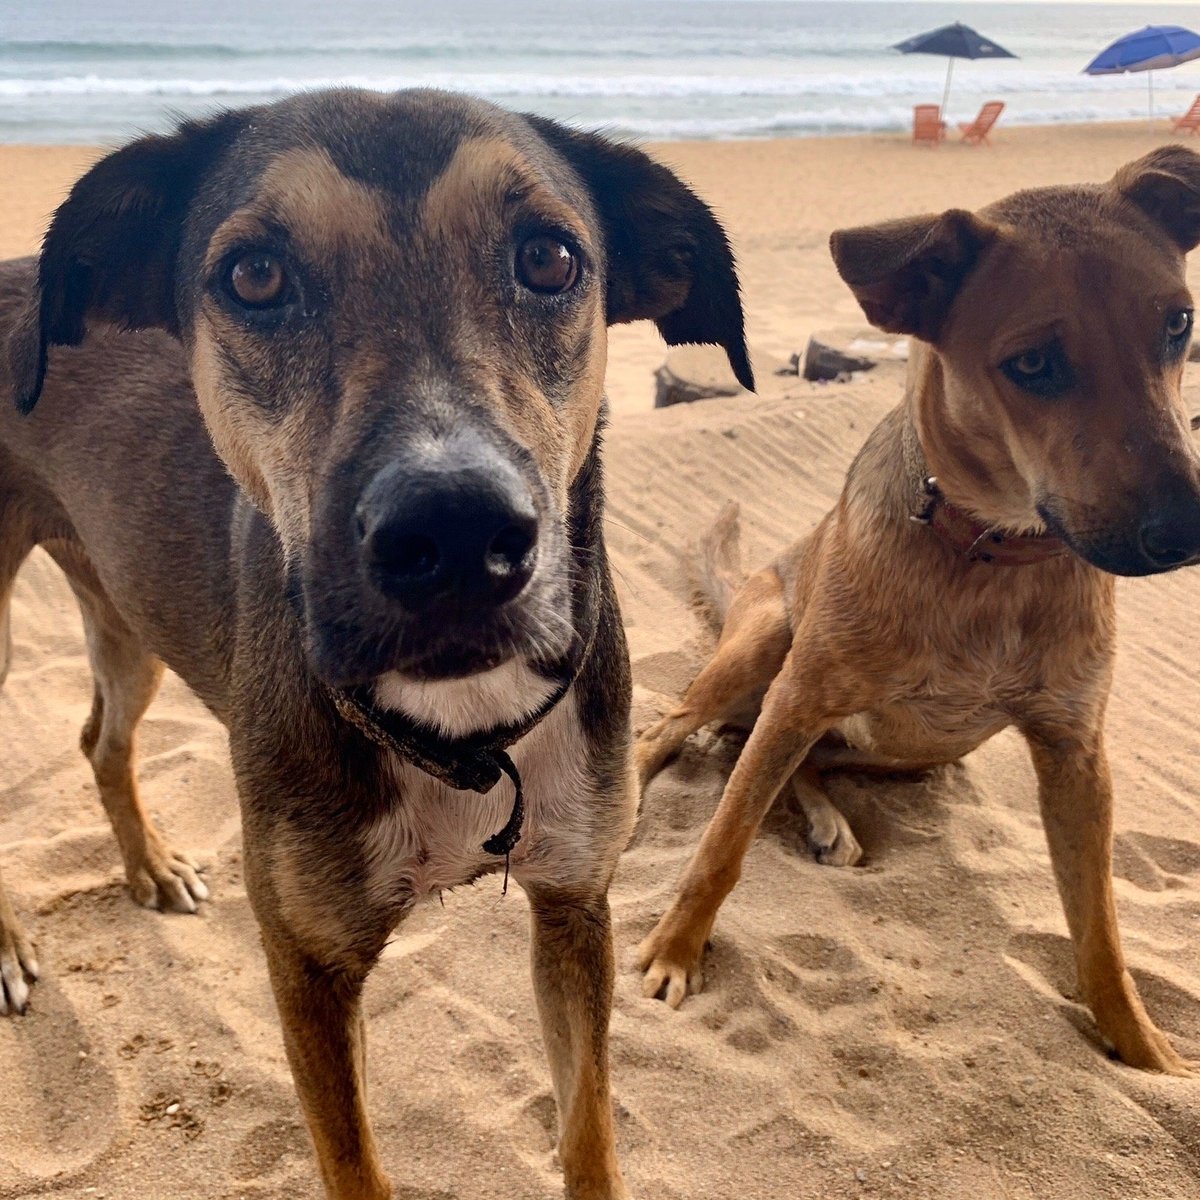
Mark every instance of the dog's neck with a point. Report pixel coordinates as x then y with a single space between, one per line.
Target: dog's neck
477 760
974 471
969 538
956 486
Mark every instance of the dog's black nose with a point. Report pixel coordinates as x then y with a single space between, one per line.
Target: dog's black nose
458 533
1171 537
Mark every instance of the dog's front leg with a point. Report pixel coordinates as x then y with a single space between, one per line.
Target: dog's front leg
810 694
573 981
320 1011
1075 794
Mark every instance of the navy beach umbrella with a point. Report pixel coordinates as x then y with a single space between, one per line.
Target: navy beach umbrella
952 41
1151 49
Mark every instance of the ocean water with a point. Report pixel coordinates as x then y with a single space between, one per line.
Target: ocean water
85 71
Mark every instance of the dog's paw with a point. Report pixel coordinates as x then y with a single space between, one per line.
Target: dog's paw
647 758
672 963
1129 1031
18 969
1151 1050
832 841
167 881
607 1190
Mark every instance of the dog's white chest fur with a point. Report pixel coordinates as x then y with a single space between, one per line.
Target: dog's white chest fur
432 840
460 706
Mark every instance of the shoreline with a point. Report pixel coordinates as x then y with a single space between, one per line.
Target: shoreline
890 133
961 108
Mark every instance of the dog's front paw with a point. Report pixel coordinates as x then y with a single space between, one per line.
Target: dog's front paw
18 966
671 958
1149 1049
609 1190
1128 1029
166 880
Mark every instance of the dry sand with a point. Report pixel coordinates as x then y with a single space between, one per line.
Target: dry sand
900 1029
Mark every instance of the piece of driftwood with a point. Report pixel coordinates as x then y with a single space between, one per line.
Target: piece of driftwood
694 373
825 362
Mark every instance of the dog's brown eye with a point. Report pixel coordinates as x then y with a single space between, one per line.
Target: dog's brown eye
1179 323
1044 372
1032 362
258 279
546 265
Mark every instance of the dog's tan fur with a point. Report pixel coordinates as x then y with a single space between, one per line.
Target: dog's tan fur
877 643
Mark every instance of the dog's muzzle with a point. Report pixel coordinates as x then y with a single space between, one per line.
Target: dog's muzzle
438 556
458 530
1166 536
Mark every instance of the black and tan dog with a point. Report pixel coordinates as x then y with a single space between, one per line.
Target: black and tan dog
388 314
964 581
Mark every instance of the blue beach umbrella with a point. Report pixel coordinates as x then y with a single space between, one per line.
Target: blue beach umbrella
951 42
1151 49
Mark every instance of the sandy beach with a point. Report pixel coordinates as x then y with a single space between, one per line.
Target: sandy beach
902 1029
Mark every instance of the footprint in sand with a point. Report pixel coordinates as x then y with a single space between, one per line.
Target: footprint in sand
263 1148
820 973
63 1114
1154 863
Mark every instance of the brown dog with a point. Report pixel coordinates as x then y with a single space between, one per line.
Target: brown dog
963 583
388 313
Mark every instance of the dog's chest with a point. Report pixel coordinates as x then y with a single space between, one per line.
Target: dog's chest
432 838
952 703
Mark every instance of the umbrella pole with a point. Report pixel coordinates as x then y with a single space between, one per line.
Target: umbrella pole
1150 87
946 93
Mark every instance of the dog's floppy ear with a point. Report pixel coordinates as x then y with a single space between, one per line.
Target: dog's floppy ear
109 254
906 273
1165 185
668 257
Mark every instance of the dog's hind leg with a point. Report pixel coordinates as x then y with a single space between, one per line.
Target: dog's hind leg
829 834
126 679
18 962
5 635
754 642
16 542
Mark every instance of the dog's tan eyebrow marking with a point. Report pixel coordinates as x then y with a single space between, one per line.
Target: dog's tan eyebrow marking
323 210
1032 334
489 174
241 229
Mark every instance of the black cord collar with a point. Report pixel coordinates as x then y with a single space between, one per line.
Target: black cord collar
473 763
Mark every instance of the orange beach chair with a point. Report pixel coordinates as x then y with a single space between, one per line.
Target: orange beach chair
976 132
928 126
1190 121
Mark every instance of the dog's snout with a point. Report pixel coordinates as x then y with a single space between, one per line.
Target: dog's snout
462 534
1169 532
